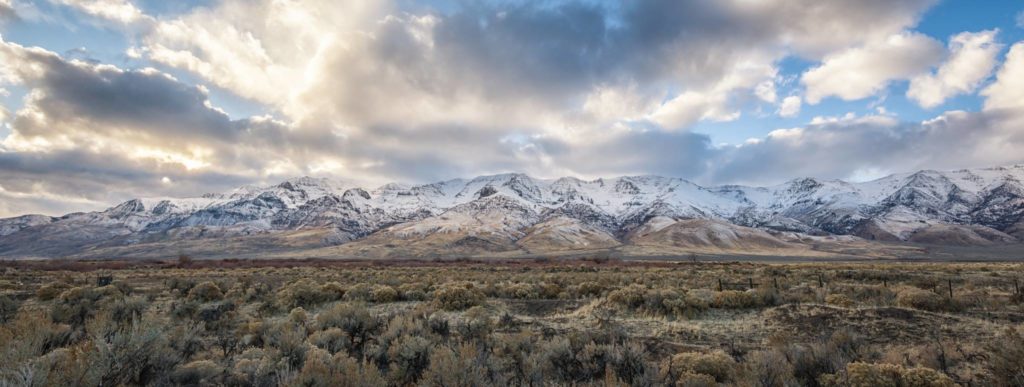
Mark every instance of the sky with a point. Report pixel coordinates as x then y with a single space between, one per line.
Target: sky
107 100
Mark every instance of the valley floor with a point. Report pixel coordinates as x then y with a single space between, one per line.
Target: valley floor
511 322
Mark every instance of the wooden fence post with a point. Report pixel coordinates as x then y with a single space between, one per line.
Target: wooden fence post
776 281
750 281
949 282
719 284
821 283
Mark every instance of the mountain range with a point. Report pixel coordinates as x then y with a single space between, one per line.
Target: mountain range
511 215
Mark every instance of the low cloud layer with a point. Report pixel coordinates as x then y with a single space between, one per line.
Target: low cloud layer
374 92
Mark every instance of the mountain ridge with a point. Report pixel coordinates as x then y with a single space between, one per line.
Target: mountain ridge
517 214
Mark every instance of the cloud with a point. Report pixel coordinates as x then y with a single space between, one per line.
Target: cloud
86 125
863 71
372 91
481 62
119 11
1007 92
972 58
7 11
790 106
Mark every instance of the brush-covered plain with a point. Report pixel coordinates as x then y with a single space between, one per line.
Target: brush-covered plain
526 322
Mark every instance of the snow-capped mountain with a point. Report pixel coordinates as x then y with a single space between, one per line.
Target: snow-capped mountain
518 213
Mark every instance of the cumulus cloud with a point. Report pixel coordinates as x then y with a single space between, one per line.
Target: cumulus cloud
790 106
972 58
84 124
1007 93
372 91
119 11
6 10
863 71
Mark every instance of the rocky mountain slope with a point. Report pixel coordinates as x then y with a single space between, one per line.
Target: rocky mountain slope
514 214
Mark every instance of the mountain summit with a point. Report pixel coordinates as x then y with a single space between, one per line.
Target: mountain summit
515 214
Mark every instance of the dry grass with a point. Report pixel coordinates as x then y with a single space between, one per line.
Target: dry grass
525 322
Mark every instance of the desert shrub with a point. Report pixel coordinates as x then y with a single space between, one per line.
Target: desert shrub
839 300
305 293
383 293
744 300
974 299
458 296
439 325
409 358
323 370
885 375
354 320
717 364
290 340
52 290
298 316
137 356
865 294
550 290
333 291
214 311
558 359
769 368
519 290
8 308
412 292
25 337
922 299
200 372
127 310
631 296
589 289
824 357
359 292
627 363
205 292
333 340
1006 362
460 368
476 323
665 302
76 305
256 367
693 379
180 285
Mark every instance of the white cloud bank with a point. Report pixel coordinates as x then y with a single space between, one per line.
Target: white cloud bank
972 58
370 91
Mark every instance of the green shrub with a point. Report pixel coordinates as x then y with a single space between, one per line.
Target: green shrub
201 372
458 296
354 320
383 294
1006 363
8 308
717 364
589 289
51 291
859 374
359 292
922 299
409 358
205 292
463 368
305 293
323 370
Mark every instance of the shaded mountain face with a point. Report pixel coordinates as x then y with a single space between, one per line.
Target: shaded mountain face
518 213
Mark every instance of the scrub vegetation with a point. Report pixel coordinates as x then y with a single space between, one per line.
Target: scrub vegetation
525 322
